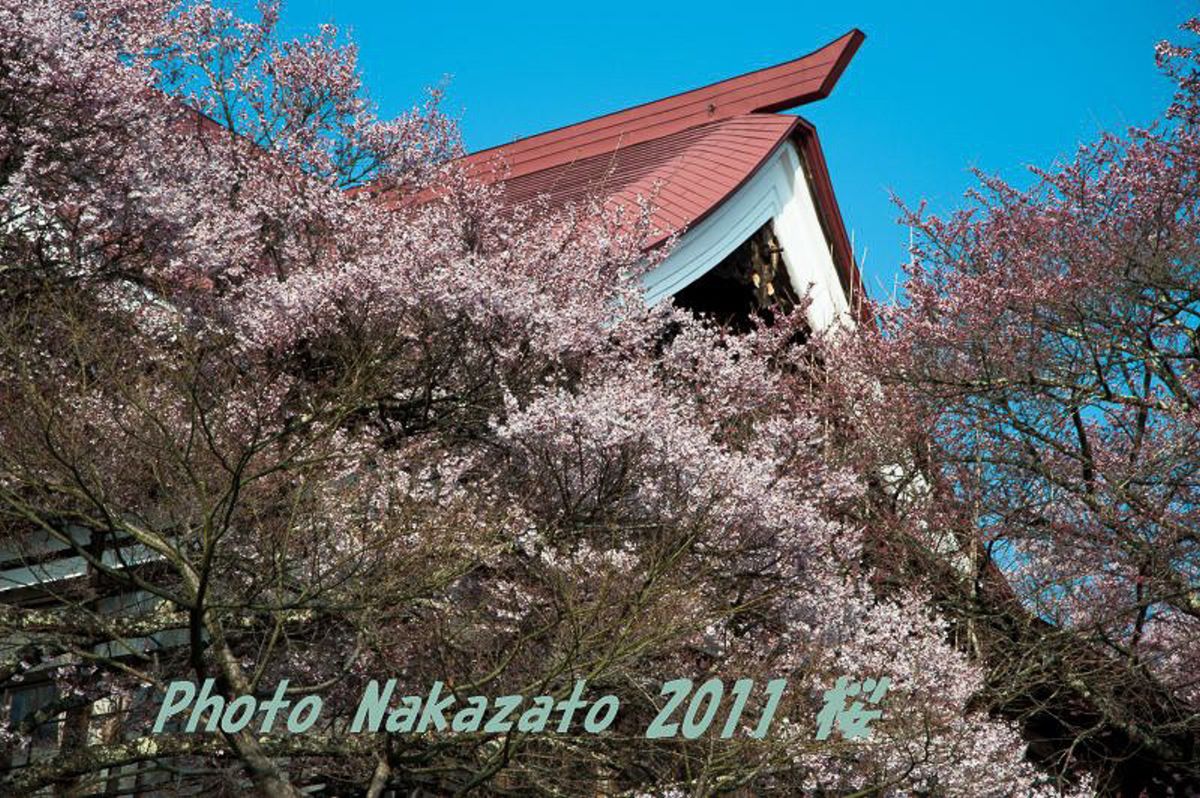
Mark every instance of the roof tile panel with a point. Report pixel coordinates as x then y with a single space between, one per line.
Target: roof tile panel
686 173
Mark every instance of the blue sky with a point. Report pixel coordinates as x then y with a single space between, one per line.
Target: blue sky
937 88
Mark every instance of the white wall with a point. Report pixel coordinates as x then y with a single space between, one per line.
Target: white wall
777 191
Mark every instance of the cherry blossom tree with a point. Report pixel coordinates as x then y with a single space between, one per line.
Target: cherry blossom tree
281 432
1035 441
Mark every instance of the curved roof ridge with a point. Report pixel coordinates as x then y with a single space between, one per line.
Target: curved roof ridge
802 80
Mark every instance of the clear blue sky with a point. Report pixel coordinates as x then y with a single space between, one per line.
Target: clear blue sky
938 87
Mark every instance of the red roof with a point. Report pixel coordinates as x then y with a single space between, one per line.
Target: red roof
684 174
686 153
810 77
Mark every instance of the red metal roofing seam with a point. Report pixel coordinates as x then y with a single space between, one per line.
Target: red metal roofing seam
722 158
